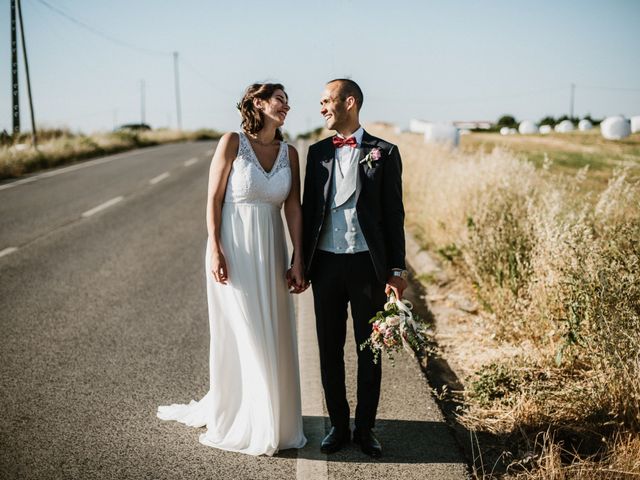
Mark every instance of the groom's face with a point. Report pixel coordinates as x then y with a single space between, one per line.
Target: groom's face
332 107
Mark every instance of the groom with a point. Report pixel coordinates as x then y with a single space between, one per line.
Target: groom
354 252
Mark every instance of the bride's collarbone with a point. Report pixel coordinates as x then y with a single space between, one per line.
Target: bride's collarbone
266 155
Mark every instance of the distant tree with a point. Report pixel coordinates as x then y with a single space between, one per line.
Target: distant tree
5 138
311 134
134 127
573 120
507 121
548 120
594 121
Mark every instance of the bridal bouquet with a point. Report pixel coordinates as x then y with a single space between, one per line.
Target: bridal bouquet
396 328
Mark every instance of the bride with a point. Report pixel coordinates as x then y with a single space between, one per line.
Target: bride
253 403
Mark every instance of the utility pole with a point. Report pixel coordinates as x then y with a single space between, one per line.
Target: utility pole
177 85
142 99
15 111
26 69
573 91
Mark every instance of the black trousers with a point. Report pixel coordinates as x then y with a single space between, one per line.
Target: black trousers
337 280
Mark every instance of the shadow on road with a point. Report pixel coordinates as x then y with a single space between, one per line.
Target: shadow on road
403 441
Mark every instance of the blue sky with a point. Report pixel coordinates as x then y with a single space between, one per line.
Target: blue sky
436 60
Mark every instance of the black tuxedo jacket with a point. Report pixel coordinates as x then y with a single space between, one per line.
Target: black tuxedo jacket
378 203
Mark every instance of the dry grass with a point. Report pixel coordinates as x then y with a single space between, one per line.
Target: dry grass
59 147
556 265
567 151
619 460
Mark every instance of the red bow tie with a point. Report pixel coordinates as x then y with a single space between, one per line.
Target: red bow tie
341 142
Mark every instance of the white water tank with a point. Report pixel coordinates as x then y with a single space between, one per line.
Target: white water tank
584 125
564 126
615 128
444 133
545 129
527 127
635 124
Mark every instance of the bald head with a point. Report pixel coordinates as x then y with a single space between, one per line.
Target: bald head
348 88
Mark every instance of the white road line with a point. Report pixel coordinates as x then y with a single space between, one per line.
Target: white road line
311 463
190 162
71 168
102 206
159 178
7 251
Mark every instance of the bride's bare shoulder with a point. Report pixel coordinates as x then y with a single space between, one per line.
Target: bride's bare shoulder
229 140
228 145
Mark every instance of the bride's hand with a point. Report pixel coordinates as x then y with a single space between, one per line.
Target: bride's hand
219 267
295 279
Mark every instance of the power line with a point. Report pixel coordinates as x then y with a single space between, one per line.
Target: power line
621 89
452 101
471 99
123 43
99 33
53 30
204 77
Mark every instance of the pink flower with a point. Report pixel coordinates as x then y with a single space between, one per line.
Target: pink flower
373 156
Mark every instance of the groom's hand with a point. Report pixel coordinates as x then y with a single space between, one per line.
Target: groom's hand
397 285
295 280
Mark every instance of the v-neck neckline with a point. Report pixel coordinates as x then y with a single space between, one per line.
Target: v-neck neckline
255 156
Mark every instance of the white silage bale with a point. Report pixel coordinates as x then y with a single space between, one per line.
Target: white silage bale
504 131
545 129
417 126
564 126
635 124
527 127
584 125
513 131
444 133
615 128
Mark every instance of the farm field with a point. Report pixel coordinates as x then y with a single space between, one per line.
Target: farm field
547 252
568 152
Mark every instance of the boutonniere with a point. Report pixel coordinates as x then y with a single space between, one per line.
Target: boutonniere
373 156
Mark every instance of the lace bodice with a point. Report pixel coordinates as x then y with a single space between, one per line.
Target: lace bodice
249 183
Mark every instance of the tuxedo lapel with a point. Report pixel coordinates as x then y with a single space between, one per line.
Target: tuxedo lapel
327 164
368 143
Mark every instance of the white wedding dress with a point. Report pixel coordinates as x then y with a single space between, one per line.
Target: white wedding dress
253 404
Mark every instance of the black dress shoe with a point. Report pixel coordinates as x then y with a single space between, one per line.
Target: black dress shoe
335 440
368 442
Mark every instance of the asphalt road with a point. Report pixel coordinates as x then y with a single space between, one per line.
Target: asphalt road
103 317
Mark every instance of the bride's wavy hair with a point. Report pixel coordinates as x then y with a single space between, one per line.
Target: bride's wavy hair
252 118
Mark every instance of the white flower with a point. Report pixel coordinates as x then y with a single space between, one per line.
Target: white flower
393 320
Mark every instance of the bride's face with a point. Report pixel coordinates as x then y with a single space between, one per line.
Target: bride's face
276 108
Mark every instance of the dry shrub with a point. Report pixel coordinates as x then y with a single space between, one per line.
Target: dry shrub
554 267
619 460
60 146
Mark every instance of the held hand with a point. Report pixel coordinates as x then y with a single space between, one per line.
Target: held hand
295 279
219 267
397 285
